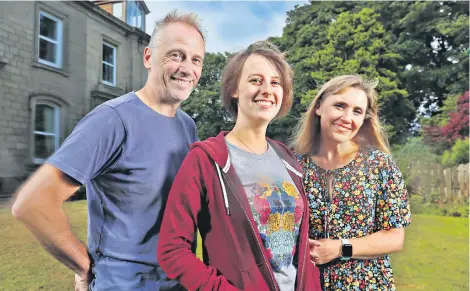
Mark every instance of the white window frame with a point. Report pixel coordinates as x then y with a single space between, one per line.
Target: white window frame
58 42
109 64
55 134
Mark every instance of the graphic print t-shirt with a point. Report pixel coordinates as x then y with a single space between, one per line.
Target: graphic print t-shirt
276 206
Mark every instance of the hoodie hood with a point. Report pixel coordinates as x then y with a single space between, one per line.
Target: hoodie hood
216 149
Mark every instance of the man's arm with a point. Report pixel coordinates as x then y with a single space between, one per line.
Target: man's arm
39 206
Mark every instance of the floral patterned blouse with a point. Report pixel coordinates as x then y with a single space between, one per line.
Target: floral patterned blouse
367 195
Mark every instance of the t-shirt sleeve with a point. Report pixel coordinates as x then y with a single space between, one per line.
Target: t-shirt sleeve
92 147
393 208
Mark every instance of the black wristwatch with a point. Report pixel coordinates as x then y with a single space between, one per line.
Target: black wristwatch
346 250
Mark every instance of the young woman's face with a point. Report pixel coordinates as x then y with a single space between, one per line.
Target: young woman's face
259 91
342 115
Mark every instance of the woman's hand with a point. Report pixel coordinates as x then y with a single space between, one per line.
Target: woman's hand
324 250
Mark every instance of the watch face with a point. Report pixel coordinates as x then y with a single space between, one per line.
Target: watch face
346 250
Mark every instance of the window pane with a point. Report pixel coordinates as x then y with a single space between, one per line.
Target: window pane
117 10
108 54
47 27
130 12
43 146
139 22
108 75
47 51
44 118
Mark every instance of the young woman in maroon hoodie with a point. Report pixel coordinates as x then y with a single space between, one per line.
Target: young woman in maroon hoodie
243 191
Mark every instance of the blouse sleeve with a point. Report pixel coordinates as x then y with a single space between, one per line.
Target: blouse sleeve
393 208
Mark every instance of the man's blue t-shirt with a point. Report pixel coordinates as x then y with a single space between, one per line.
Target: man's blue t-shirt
127 155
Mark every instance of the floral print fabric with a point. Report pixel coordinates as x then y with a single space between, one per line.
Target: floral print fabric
367 195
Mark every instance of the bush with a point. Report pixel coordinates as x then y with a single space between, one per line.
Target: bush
411 158
458 154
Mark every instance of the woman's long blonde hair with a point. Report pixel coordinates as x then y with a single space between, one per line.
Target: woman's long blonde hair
307 137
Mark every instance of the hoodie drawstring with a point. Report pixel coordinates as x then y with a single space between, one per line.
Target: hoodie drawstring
224 191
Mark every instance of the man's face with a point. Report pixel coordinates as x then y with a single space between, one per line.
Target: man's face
176 62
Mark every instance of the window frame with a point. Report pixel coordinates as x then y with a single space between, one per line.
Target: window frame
57 129
103 63
58 43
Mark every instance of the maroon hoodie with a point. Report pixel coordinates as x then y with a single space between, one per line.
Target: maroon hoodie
208 195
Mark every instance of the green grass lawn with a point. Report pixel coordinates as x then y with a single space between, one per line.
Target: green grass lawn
435 255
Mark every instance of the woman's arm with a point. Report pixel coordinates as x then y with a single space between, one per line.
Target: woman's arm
392 215
368 247
178 229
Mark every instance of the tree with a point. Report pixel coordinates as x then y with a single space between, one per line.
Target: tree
432 38
443 137
346 40
204 104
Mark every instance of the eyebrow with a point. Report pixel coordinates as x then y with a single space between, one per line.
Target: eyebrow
260 75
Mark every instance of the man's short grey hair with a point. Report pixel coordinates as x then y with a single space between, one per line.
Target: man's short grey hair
191 19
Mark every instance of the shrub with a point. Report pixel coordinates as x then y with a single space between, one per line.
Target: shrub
458 154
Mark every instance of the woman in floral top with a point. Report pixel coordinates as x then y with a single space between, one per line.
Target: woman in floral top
357 197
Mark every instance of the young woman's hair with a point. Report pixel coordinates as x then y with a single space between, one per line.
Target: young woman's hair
307 137
233 70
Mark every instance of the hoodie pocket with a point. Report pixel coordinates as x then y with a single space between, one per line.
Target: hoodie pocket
253 279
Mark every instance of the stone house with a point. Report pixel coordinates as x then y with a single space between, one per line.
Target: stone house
58 60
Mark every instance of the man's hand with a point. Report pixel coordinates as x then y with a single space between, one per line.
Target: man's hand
324 250
81 284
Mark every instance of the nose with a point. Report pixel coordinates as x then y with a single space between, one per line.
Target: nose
266 89
347 116
186 68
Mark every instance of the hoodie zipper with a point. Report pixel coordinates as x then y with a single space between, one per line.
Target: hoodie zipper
306 258
257 241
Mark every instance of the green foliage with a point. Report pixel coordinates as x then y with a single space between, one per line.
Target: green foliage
458 154
432 38
442 118
410 159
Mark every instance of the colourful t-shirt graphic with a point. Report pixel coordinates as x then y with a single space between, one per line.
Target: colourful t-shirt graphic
276 206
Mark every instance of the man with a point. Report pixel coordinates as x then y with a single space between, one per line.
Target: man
127 152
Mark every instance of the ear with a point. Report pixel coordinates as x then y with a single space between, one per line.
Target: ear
235 94
318 112
148 58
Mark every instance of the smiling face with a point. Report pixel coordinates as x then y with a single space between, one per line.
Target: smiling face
259 91
342 115
175 63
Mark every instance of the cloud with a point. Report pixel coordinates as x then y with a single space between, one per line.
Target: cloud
230 25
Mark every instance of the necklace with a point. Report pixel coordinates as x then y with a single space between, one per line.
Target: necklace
248 146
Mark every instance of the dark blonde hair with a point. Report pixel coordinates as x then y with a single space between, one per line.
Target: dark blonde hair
371 134
174 16
233 70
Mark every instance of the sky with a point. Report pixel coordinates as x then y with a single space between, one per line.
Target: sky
230 25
